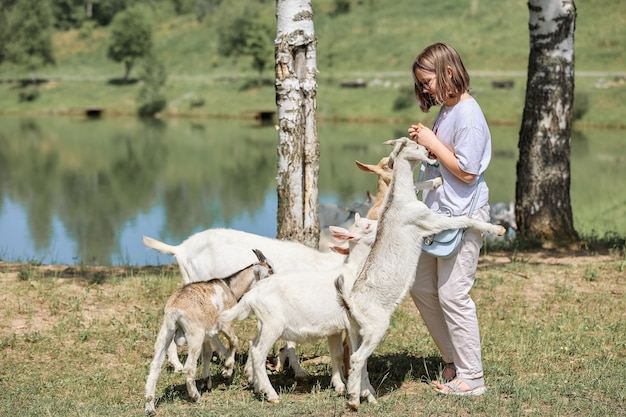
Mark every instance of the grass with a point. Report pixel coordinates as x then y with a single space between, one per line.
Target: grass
376 41
78 341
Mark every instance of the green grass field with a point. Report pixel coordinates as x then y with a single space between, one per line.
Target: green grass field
376 42
78 341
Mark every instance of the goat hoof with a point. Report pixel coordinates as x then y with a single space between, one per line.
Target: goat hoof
205 385
273 401
149 410
353 405
175 367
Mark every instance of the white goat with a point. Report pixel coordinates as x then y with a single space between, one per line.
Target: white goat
389 269
191 314
218 252
302 306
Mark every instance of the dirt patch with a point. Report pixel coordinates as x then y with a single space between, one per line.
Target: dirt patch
37 298
34 298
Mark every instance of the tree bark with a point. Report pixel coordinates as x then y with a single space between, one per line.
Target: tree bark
298 146
543 205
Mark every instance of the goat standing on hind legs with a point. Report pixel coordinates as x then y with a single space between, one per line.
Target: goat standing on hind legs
389 268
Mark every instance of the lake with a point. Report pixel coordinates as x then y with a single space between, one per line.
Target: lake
79 191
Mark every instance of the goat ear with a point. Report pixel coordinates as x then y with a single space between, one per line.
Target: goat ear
364 167
341 236
340 250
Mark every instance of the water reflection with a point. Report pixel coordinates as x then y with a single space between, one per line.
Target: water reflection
83 191
78 191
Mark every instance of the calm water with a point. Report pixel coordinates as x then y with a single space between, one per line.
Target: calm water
78 191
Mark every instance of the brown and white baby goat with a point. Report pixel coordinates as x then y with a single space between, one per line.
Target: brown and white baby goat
191 315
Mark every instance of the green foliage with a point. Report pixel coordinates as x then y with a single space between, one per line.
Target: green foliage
104 11
342 6
27 38
206 7
185 6
131 37
5 6
375 41
29 93
68 14
581 106
260 47
405 99
151 98
248 34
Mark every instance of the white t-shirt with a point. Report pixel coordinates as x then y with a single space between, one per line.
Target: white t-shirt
462 129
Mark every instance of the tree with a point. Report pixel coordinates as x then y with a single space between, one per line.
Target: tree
298 146
151 98
104 11
259 47
247 33
542 201
68 14
27 36
131 37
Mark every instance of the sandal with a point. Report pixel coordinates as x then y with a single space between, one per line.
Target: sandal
476 387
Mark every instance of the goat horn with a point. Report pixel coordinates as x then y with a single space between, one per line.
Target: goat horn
259 255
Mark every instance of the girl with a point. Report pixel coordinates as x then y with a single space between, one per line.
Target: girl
461 141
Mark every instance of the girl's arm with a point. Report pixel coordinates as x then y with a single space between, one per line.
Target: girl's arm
427 138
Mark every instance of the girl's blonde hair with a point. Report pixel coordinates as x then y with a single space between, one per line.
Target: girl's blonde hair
437 58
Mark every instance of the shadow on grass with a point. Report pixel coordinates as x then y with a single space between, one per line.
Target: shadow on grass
92 274
121 82
387 374
178 392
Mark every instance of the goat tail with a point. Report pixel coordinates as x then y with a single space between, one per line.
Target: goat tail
160 246
240 311
342 296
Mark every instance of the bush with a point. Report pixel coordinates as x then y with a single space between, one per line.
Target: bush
404 100
151 99
30 93
581 106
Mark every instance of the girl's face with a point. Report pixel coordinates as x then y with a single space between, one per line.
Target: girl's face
427 82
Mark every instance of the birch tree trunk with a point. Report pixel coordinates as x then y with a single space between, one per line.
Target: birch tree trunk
543 205
298 146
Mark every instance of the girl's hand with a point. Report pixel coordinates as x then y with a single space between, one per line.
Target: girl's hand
414 131
423 135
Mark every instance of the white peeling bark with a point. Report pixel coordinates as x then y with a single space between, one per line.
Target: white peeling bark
298 146
543 205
